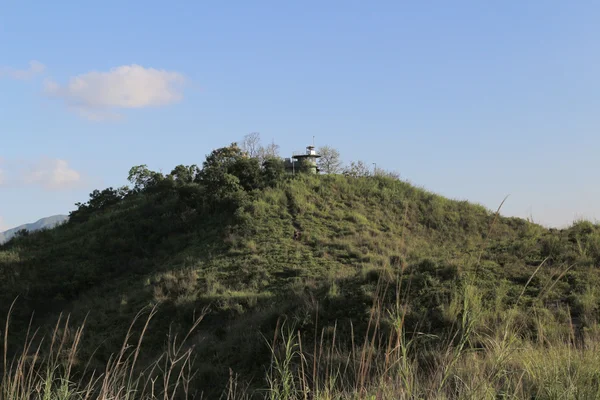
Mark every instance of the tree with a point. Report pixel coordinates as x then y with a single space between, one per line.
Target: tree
330 162
142 178
357 169
184 174
270 151
251 144
21 233
273 171
98 202
247 170
220 162
218 175
252 147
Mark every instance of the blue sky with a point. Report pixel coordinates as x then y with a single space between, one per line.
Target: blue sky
471 100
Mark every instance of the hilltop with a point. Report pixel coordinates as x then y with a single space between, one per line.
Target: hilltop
255 248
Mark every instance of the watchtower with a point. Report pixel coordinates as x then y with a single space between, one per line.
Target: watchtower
306 161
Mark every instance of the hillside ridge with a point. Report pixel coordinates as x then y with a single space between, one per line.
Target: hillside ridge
252 246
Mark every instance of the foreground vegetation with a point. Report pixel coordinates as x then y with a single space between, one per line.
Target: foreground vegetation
257 284
488 353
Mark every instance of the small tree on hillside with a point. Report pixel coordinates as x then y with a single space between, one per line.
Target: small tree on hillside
270 151
185 174
330 162
251 144
226 174
357 169
252 147
248 171
273 171
142 178
99 201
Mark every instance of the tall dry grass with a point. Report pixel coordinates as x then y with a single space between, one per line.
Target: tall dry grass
486 354
49 368
475 361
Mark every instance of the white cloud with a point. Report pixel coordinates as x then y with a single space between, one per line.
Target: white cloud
35 68
96 95
47 173
52 174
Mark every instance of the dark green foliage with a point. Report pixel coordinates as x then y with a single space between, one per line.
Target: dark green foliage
304 166
98 202
273 171
224 178
185 175
248 171
21 233
142 178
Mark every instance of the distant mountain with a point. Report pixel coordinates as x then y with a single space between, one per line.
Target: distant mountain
44 223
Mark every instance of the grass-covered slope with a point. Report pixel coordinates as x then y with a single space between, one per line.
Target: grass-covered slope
314 251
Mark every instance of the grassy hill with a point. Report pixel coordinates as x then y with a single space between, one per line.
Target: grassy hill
357 270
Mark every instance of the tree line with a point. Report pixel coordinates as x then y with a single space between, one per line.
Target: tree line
330 161
227 176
